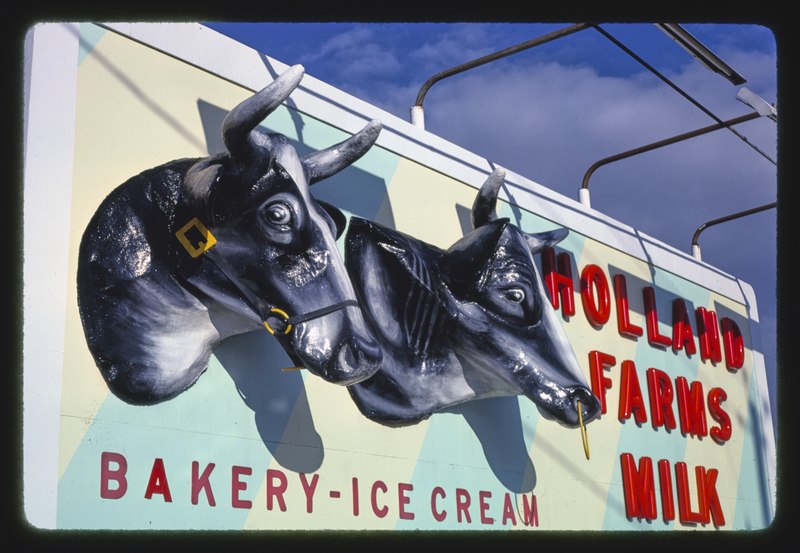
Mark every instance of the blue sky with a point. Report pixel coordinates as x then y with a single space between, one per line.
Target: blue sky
550 112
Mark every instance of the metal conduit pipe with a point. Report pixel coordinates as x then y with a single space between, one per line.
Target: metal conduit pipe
417 112
583 192
696 247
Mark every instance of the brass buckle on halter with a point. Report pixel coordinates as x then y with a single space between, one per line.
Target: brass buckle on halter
202 246
285 316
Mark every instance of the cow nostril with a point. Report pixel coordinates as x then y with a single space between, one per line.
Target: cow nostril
357 360
589 404
366 351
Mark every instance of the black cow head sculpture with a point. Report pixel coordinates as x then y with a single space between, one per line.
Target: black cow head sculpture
467 323
186 254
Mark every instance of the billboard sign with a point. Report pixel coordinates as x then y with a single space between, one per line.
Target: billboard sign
255 302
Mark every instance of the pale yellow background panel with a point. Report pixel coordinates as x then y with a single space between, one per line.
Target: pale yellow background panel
135 109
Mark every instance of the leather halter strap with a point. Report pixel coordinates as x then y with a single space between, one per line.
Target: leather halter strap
275 320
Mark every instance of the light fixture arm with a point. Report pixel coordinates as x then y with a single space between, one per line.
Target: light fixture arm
417 113
701 228
583 193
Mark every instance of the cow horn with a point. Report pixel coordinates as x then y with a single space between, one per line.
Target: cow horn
242 119
484 208
325 163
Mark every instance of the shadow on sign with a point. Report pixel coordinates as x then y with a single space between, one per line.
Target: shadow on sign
253 361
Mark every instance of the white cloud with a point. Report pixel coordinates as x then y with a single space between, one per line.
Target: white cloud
355 55
455 45
551 122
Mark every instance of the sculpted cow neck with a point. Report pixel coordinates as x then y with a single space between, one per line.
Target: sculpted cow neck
183 255
467 323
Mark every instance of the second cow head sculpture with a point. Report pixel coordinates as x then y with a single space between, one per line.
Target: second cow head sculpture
470 322
188 253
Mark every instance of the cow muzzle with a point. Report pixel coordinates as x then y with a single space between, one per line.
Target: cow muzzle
564 406
357 360
335 348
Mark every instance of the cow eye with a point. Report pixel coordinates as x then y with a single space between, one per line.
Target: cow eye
516 295
278 213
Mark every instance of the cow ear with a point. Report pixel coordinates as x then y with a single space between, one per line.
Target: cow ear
198 182
335 213
541 240
462 264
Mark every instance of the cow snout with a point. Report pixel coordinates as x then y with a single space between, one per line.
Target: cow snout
561 404
337 348
589 404
357 360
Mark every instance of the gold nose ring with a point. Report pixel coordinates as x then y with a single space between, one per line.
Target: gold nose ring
584 436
